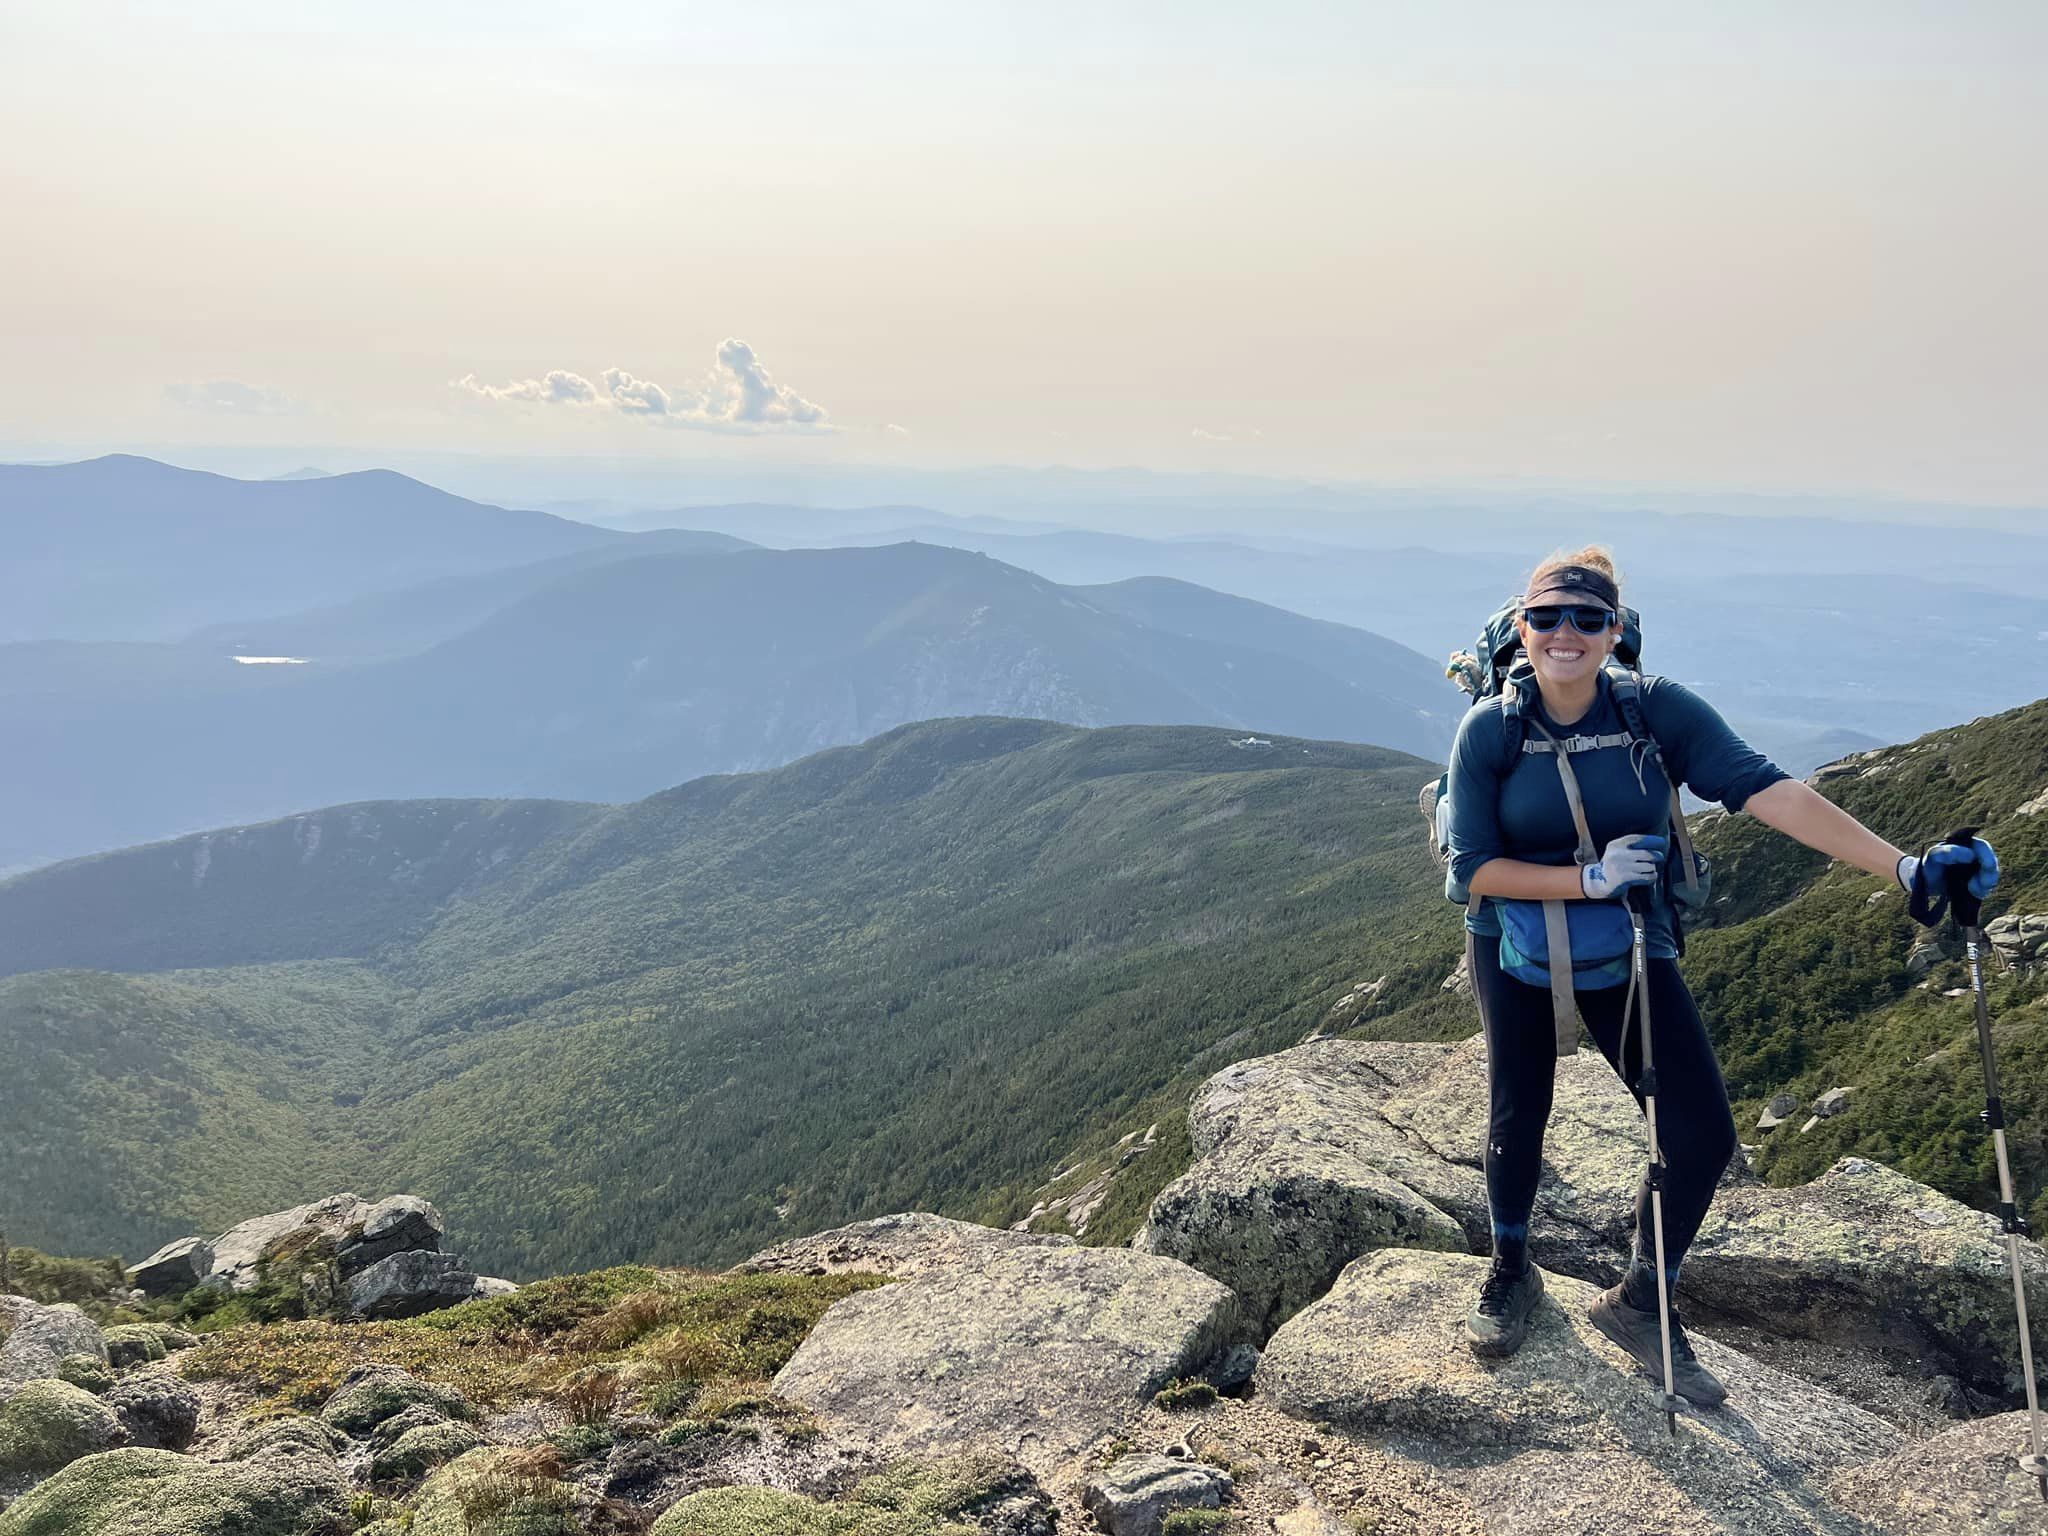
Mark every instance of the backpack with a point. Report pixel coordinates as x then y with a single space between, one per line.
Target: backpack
1497 666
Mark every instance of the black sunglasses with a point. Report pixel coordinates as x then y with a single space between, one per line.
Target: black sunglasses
1585 619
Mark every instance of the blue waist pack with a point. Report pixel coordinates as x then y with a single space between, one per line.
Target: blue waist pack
1602 939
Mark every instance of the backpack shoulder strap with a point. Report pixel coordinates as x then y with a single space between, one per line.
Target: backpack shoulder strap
1564 1003
1628 697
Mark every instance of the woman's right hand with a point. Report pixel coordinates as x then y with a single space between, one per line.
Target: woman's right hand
1631 860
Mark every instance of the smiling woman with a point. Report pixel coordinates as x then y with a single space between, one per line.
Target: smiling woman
1560 809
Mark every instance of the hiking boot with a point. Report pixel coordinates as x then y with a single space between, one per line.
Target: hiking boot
1638 1333
1500 1319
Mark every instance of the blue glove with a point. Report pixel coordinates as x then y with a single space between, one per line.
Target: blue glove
1631 860
1926 879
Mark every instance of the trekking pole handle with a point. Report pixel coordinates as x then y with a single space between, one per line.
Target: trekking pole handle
1963 906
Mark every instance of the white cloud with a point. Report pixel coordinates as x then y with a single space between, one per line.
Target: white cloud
230 396
559 387
736 395
636 397
1209 437
893 430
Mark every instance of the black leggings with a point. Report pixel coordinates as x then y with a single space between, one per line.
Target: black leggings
1695 1130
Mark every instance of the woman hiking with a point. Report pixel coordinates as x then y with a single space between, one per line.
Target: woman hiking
1513 839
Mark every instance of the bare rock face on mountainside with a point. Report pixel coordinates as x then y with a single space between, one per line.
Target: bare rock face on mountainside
372 1259
1311 1157
1035 1349
1561 1435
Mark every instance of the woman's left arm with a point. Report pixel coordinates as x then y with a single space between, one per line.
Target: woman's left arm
1799 810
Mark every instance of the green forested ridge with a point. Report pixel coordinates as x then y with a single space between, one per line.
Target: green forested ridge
908 973
920 973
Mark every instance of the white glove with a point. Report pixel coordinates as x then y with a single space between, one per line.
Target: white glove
1631 860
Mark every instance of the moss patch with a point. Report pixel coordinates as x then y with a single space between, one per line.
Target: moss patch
492 1491
160 1493
359 1408
422 1448
87 1372
50 1422
134 1344
907 1498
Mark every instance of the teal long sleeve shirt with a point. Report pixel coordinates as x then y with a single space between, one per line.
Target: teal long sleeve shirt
1518 810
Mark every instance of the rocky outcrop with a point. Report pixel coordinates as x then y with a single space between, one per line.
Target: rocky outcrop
401 1224
1036 1351
1965 1481
177 1266
903 1245
343 1252
1307 1158
239 1252
1137 1493
34 1339
1863 1250
1297 1172
407 1284
2020 938
1563 1435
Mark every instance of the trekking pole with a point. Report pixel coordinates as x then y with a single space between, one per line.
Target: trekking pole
1964 910
1668 1400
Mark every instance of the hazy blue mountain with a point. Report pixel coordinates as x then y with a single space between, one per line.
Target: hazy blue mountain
1805 663
123 548
611 681
386 625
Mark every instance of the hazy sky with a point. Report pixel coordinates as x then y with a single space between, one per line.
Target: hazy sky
1776 246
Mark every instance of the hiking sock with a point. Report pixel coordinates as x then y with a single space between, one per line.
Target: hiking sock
1511 1245
1639 1285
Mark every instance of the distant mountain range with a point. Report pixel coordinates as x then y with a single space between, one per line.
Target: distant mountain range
123 548
605 679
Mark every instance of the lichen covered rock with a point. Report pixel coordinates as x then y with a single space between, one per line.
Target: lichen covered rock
34 1339
295 1434
85 1371
422 1448
1136 1494
1036 1351
1564 1434
963 1495
490 1491
370 1395
1864 1247
135 1492
50 1423
1962 1482
901 1245
157 1407
132 1344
